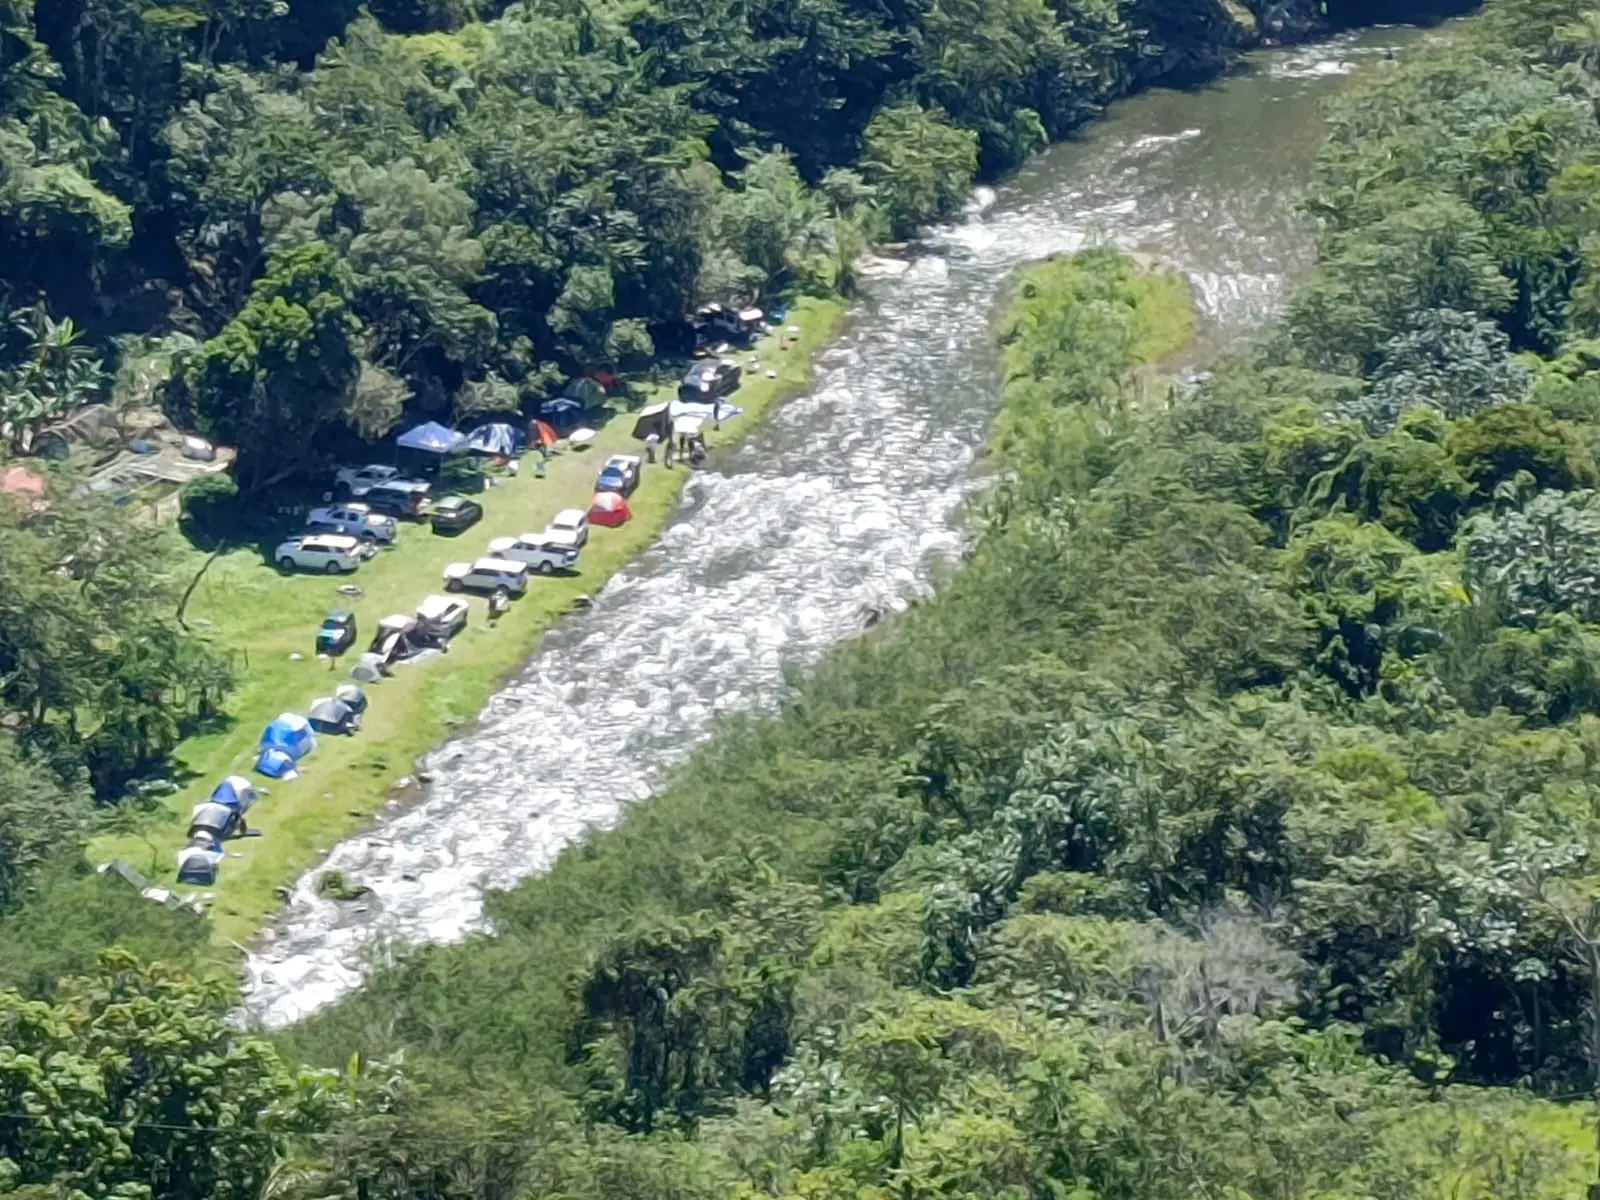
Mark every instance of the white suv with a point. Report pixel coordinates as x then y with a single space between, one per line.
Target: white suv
570 525
326 552
487 575
543 553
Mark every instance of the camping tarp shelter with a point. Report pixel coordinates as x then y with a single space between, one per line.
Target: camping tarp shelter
494 438
653 419
688 426
275 763
333 716
431 438
290 733
236 792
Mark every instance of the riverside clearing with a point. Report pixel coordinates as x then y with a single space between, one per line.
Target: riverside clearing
262 618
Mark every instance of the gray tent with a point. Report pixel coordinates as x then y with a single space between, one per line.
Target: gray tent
219 821
367 670
198 861
353 695
333 716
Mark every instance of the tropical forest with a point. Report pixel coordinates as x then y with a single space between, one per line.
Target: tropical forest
1219 820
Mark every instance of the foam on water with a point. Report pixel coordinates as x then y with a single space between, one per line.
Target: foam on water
841 503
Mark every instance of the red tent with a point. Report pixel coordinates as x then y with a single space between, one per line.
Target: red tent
608 508
542 433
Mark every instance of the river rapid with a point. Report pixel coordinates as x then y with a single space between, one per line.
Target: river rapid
842 501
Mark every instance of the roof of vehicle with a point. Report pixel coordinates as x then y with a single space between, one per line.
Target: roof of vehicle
435 606
451 503
330 541
624 460
404 485
375 469
398 621
522 539
570 516
500 565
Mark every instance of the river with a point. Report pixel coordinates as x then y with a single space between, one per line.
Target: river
844 499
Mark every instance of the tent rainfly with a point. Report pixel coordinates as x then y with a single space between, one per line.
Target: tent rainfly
198 862
353 695
652 419
275 763
236 792
495 438
431 438
217 821
290 733
333 716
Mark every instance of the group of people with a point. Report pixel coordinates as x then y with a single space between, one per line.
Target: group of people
682 448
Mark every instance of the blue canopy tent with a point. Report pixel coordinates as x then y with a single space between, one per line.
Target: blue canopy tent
495 438
275 763
290 733
236 792
432 438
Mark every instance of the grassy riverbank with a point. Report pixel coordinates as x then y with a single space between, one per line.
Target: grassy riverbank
263 618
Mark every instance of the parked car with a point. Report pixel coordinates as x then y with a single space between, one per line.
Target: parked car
399 497
357 481
570 525
544 554
456 514
709 378
440 618
487 575
338 633
326 552
356 519
620 474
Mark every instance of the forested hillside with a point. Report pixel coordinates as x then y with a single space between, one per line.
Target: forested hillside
1224 827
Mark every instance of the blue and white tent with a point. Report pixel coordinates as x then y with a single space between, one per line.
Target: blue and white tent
236 792
494 438
432 438
275 763
290 733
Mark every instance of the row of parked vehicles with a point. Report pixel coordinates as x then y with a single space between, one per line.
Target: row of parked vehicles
338 537
511 560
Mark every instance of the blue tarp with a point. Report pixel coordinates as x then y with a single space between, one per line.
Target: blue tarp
496 438
433 438
290 733
275 763
236 792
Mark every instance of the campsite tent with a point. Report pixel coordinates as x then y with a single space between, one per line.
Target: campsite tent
216 820
236 792
333 716
494 438
585 391
542 432
353 695
562 408
608 508
431 438
198 861
275 763
290 733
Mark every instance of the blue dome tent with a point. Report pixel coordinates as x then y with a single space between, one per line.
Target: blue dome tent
431 438
275 763
290 733
236 792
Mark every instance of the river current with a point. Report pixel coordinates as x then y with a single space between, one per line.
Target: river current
842 501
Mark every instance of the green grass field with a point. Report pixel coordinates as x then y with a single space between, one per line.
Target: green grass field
263 617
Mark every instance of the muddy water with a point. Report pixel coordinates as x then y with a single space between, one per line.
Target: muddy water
843 500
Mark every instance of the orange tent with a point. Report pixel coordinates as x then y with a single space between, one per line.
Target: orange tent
542 433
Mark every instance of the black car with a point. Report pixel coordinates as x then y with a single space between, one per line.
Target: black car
456 514
708 379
